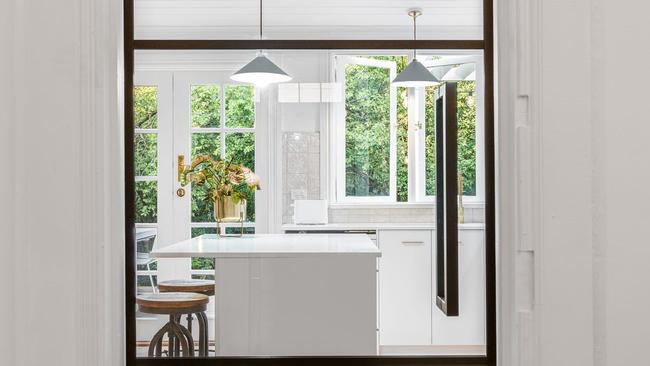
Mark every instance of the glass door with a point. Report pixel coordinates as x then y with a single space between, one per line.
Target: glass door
215 117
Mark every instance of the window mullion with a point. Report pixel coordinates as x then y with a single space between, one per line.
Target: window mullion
222 134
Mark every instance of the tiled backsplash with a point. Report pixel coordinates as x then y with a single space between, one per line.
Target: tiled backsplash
397 215
301 177
301 173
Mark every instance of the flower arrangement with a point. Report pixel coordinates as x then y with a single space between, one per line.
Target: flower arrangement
221 178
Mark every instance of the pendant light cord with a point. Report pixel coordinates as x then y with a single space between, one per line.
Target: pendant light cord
415 37
260 51
260 20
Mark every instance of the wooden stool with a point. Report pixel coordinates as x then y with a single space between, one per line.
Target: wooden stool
205 287
175 304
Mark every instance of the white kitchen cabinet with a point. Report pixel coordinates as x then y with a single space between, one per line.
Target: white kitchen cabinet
405 287
469 327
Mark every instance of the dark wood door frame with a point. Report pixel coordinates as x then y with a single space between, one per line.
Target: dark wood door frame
487 45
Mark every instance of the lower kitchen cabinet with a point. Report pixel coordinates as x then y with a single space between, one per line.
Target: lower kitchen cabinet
405 287
468 328
408 315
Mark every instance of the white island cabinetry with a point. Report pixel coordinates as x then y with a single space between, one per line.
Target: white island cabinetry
291 295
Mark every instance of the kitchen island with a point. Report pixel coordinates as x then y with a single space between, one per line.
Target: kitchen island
290 294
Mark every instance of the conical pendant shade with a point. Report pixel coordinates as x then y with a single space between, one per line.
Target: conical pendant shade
415 75
261 72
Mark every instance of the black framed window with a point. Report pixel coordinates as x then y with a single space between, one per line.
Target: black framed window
446 189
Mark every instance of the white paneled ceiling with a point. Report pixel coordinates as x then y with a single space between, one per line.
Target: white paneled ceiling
306 19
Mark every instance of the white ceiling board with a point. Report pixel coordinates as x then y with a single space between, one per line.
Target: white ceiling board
294 19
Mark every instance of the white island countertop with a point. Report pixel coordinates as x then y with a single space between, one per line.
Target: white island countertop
270 245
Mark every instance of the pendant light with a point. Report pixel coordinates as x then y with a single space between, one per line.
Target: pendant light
260 71
415 74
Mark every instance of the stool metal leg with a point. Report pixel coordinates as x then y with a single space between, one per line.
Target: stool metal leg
189 322
171 341
157 341
181 341
203 333
190 340
177 341
201 341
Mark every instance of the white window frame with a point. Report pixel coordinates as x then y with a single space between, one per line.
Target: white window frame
339 132
420 187
416 133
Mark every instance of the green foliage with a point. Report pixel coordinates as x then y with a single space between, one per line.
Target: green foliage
240 106
367 107
145 106
430 140
466 115
204 144
367 133
240 148
206 105
146 202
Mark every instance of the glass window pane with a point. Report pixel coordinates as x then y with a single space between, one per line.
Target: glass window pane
240 148
430 140
206 105
466 110
240 106
237 230
367 131
206 144
145 107
402 143
202 263
146 154
146 202
144 283
202 207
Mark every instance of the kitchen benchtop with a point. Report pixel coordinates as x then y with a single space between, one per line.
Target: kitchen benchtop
270 245
377 226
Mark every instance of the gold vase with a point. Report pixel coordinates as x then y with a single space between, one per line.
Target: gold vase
227 211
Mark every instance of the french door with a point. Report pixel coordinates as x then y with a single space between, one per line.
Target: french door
199 113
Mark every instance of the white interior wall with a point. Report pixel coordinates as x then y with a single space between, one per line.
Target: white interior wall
304 67
61 283
573 182
7 158
621 153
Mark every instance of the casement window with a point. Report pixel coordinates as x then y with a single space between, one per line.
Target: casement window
383 137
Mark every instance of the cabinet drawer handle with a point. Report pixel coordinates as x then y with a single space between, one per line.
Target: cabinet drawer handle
412 242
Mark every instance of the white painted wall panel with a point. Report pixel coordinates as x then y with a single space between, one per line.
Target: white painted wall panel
621 126
565 307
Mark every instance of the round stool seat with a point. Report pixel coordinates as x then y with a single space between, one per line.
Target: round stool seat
205 287
172 302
